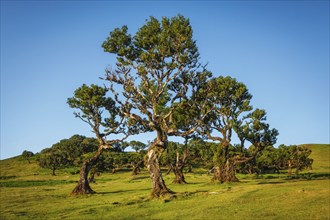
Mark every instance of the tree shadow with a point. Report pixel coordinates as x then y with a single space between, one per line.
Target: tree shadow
270 183
320 175
121 191
140 177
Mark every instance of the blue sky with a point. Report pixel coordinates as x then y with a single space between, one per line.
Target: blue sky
279 49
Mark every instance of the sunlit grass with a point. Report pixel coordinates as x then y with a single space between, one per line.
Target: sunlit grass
28 192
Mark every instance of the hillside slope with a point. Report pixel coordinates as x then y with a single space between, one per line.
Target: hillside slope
321 156
29 192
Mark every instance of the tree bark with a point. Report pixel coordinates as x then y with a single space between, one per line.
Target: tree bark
158 185
224 171
179 177
178 169
136 168
170 168
83 186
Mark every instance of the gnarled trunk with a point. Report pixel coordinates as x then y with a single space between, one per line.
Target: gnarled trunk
136 168
83 186
178 169
179 177
225 172
158 185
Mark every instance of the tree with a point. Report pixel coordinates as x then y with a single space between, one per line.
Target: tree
184 120
91 101
296 157
137 145
257 132
269 160
53 159
229 100
27 155
75 146
156 69
136 160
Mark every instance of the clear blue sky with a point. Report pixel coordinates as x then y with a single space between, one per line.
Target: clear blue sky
279 49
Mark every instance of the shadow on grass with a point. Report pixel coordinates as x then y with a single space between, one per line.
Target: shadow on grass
193 183
321 175
121 191
139 177
271 183
29 183
302 176
7 177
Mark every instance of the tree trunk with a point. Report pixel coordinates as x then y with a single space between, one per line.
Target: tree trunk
53 173
158 185
170 168
179 177
225 173
180 163
178 169
289 168
136 168
225 170
83 186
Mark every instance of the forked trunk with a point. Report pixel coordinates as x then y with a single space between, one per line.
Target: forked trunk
179 177
225 173
136 168
178 169
83 186
158 185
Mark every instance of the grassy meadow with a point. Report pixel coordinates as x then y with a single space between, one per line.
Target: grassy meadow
29 192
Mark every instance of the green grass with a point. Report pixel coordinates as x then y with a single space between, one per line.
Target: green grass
28 192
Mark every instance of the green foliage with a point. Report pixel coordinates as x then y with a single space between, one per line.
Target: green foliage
72 149
155 42
27 155
54 159
258 131
229 100
157 68
92 101
296 157
137 145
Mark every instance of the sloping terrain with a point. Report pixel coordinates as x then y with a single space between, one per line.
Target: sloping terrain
29 192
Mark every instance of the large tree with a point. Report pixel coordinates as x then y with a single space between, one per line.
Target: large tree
156 69
229 100
91 101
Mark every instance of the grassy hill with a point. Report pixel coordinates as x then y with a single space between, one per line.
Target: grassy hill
29 192
321 155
